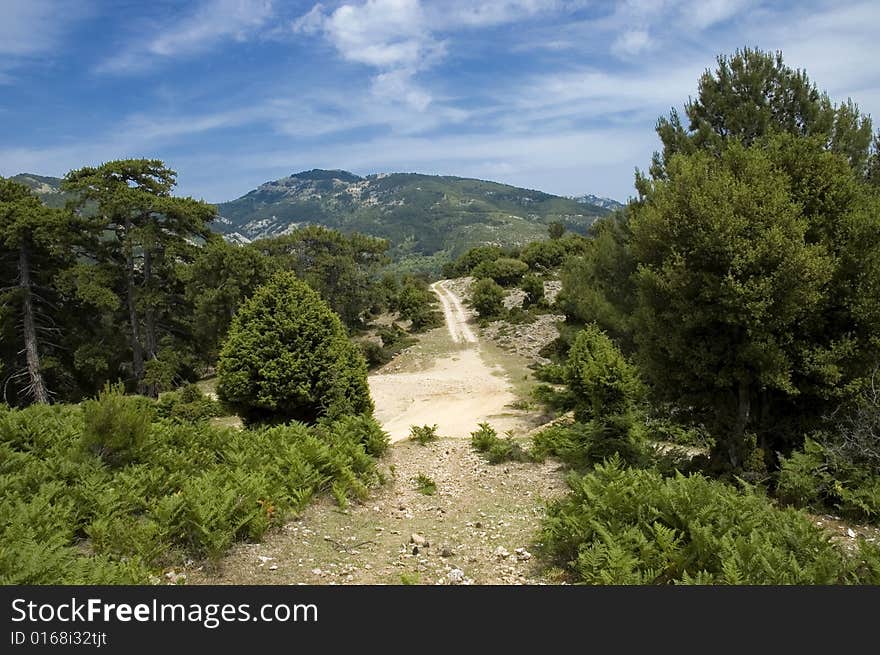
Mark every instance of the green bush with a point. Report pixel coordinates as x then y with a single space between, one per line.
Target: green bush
582 445
116 425
600 377
374 354
495 449
425 485
465 264
67 517
556 400
543 255
816 479
188 404
506 271
362 429
287 357
487 298
633 526
417 303
604 389
533 285
423 434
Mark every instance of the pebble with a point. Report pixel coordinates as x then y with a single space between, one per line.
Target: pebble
501 552
455 576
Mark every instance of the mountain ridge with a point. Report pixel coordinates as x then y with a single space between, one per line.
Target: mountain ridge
419 214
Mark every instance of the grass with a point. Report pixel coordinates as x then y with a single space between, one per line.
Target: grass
497 449
410 579
425 485
423 434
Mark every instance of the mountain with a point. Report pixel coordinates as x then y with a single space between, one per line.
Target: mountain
48 188
418 214
598 201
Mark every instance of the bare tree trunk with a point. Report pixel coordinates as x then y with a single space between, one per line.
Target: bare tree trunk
137 352
743 411
150 341
37 385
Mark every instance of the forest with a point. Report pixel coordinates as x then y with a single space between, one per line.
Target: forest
719 361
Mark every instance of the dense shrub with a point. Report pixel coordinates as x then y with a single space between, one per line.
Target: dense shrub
533 285
818 479
473 258
582 445
374 354
417 304
115 425
603 389
633 526
599 376
287 357
487 298
495 449
67 517
543 255
423 434
506 271
188 404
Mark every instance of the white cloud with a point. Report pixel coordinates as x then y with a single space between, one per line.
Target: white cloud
212 22
30 27
703 14
631 42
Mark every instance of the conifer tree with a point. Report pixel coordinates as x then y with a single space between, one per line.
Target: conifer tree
32 251
152 230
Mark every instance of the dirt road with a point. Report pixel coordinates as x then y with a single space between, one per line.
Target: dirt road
449 385
480 524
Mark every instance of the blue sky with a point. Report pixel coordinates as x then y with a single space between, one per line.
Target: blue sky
557 95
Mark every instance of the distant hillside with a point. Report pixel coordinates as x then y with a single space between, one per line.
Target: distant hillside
48 188
418 214
421 215
598 201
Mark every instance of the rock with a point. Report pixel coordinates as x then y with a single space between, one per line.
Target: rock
317 572
523 555
455 576
850 533
501 552
274 567
418 540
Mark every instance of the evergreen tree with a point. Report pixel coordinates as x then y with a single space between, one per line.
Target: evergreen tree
340 267
219 280
287 357
152 231
32 251
753 94
726 279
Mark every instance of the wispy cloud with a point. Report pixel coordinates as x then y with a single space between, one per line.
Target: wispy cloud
212 22
30 27
34 28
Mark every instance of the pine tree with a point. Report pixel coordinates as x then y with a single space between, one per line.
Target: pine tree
753 94
152 230
32 251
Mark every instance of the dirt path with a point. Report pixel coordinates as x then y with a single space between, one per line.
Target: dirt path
454 313
479 525
449 384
